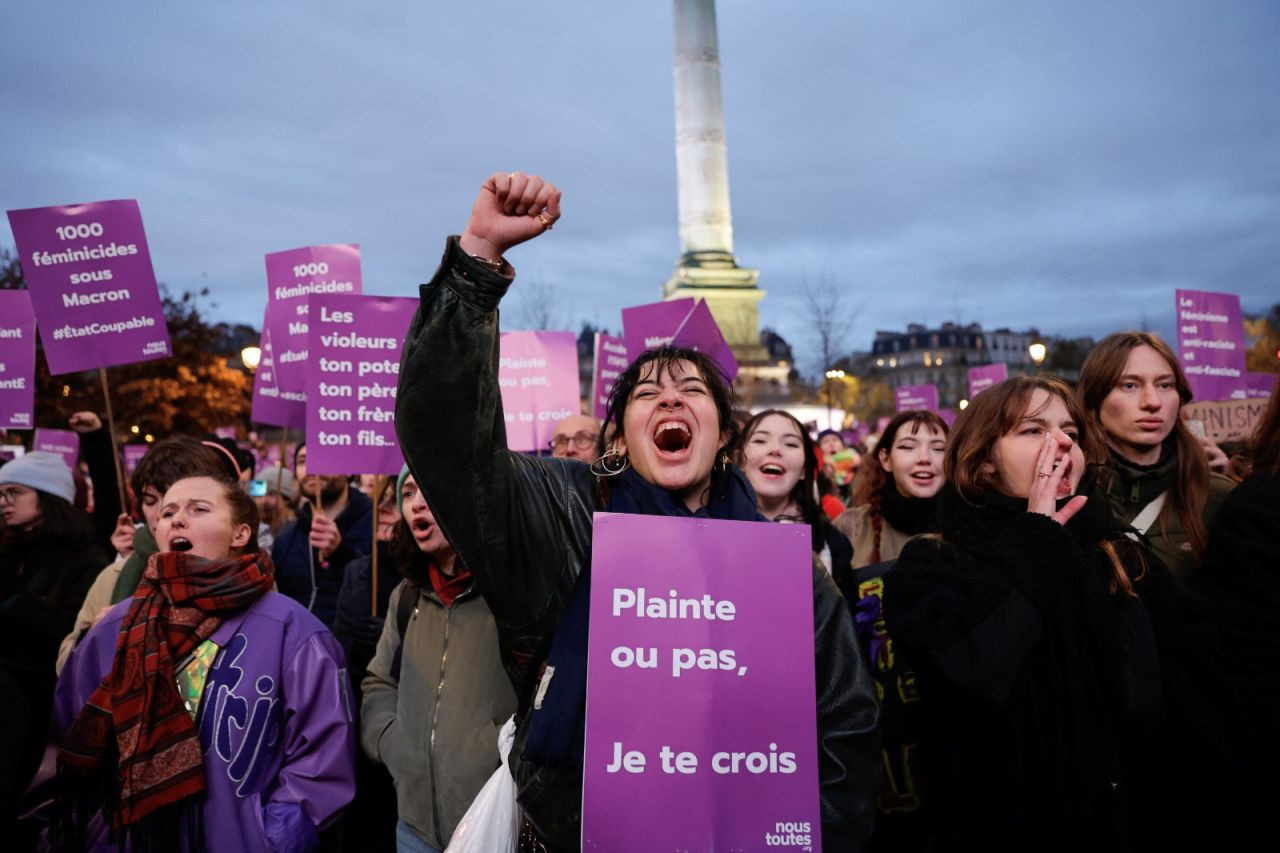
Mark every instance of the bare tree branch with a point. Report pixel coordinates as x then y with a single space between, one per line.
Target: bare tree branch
832 318
536 304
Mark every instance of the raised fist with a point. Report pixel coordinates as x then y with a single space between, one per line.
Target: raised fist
509 209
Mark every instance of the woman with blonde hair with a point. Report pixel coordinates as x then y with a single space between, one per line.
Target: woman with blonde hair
1155 473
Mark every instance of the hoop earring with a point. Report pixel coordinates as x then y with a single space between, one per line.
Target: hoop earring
611 464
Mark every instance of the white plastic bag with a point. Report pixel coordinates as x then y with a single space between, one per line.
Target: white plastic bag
492 821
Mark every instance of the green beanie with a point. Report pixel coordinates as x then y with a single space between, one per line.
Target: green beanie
404 475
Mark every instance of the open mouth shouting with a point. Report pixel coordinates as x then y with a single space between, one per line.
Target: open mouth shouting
180 543
672 438
1065 485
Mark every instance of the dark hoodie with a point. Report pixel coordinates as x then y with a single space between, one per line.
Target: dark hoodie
300 573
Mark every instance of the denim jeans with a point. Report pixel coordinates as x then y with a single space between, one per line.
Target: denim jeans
408 841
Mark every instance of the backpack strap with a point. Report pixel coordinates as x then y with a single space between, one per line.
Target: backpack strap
1142 521
405 609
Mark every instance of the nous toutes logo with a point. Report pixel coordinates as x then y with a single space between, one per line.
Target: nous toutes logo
792 833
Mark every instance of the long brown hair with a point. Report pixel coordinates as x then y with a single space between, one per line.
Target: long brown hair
1102 370
1266 435
994 413
871 485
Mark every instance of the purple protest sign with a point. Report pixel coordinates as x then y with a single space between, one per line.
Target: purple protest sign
64 442
1211 344
133 454
680 322
292 277
653 325
92 285
916 397
271 405
538 377
17 360
1258 386
355 343
982 378
700 332
273 455
700 687
610 360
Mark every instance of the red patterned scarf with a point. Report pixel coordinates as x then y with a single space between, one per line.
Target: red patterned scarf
136 716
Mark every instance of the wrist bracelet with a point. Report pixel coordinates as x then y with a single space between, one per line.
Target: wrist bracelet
496 266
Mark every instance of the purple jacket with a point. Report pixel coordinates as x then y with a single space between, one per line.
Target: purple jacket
275 722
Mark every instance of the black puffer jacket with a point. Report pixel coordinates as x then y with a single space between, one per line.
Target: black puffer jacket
523 527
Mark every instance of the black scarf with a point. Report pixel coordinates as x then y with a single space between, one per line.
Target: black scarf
975 527
729 499
908 515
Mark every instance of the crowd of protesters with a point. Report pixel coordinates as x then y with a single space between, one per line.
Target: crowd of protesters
1053 625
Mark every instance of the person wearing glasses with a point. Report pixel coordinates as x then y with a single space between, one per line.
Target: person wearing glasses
575 438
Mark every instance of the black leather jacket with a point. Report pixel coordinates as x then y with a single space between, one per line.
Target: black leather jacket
523 527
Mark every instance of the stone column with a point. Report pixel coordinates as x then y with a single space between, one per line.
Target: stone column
707 269
702 161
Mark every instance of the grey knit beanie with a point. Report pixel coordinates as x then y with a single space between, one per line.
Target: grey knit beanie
41 470
288 485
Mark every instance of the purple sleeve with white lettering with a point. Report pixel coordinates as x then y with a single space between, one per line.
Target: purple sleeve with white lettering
318 769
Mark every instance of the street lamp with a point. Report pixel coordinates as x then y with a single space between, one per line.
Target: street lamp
831 374
1037 351
250 356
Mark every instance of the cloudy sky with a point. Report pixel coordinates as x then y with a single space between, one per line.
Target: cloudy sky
1064 165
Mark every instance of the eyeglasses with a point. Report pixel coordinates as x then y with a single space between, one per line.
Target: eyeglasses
12 493
583 441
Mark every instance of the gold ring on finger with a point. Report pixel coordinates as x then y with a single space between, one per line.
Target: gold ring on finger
545 220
